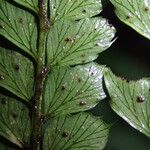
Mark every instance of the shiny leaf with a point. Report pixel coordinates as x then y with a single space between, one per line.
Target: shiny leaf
131 101
77 132
16 73
135 13
31 4
70 90
74 9
71 43
19 27
14 121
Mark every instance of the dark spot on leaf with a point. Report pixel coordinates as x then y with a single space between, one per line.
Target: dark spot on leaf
92 73
20 20
128 17
2 77
146 8
68 40
16 67
84 11
3 102
65 134
82 103
140 99
83 55
14 115
63 88
79 80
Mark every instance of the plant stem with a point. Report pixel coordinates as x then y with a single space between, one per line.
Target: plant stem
40 75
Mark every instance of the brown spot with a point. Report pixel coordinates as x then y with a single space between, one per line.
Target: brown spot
84 11
68 40
3 102
63 88
14 115
82 103
83 55
20 20
128 17
92 73
140 99
65 134
146 9
16 67
79 79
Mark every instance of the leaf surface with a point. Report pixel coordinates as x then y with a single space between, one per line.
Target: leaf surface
19 27
135 13
74 9
14 121
131 101
76 42
31 4
70 90
16 73
81 131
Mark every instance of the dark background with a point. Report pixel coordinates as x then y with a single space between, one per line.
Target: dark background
128 57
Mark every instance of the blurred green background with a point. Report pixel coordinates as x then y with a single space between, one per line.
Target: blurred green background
128 57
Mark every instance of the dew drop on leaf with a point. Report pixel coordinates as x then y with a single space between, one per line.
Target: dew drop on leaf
2 77
140 99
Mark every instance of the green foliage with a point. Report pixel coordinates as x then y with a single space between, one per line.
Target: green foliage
135 13
48 78
84 132
51 37
130 101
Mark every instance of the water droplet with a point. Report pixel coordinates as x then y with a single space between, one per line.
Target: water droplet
140 99
65 134
35 107
82 103
2 77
